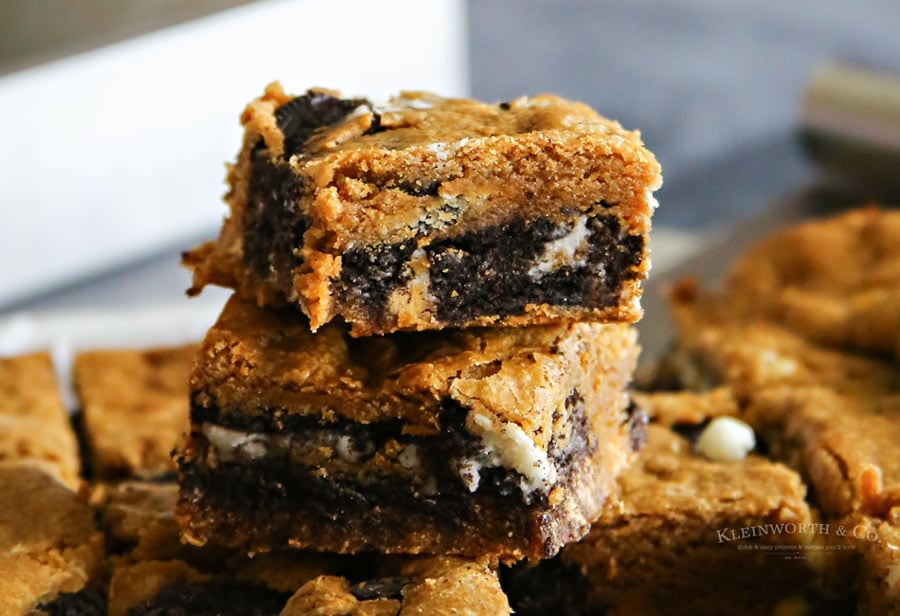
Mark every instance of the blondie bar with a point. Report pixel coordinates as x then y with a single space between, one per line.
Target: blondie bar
34 422
51 554
749 353
134 406
427 212
835 280
433 585
174 587
847 447
686 536
492 441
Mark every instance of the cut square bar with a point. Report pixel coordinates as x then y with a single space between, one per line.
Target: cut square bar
428 212
34 422
501 442
51 554
134 407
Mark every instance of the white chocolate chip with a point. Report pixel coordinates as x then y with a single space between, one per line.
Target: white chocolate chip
726 439
409 457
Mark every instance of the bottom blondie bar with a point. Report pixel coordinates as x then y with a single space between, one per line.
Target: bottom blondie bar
480 442
51 554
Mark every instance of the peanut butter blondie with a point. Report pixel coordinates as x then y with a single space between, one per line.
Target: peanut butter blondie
138 518
439 586
686 535
134 406
174 587
34 422
427 212
494 441
832 414
717 346
836 280
51 554
434 585
847 447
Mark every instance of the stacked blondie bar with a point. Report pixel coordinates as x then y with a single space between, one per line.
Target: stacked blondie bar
430 339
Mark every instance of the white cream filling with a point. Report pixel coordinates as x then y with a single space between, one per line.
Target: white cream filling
571 249
233 444
508 446
503 445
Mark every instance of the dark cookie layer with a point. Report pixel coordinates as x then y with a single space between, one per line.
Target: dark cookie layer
301 116
439 454
273 222
486 272
213 599
85 602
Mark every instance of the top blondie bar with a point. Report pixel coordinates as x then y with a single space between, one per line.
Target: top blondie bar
427 212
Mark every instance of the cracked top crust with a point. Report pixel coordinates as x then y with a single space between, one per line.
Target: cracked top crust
256 360
670 480
418 138
849 447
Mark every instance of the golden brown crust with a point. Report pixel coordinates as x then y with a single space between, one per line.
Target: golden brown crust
750 353
831 413
265 359
34 423
436 586
139 519
847 447
48 541
135 406
687 407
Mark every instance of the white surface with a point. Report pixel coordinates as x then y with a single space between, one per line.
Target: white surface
64 333
120 152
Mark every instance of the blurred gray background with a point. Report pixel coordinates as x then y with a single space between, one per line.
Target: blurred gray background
713 85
